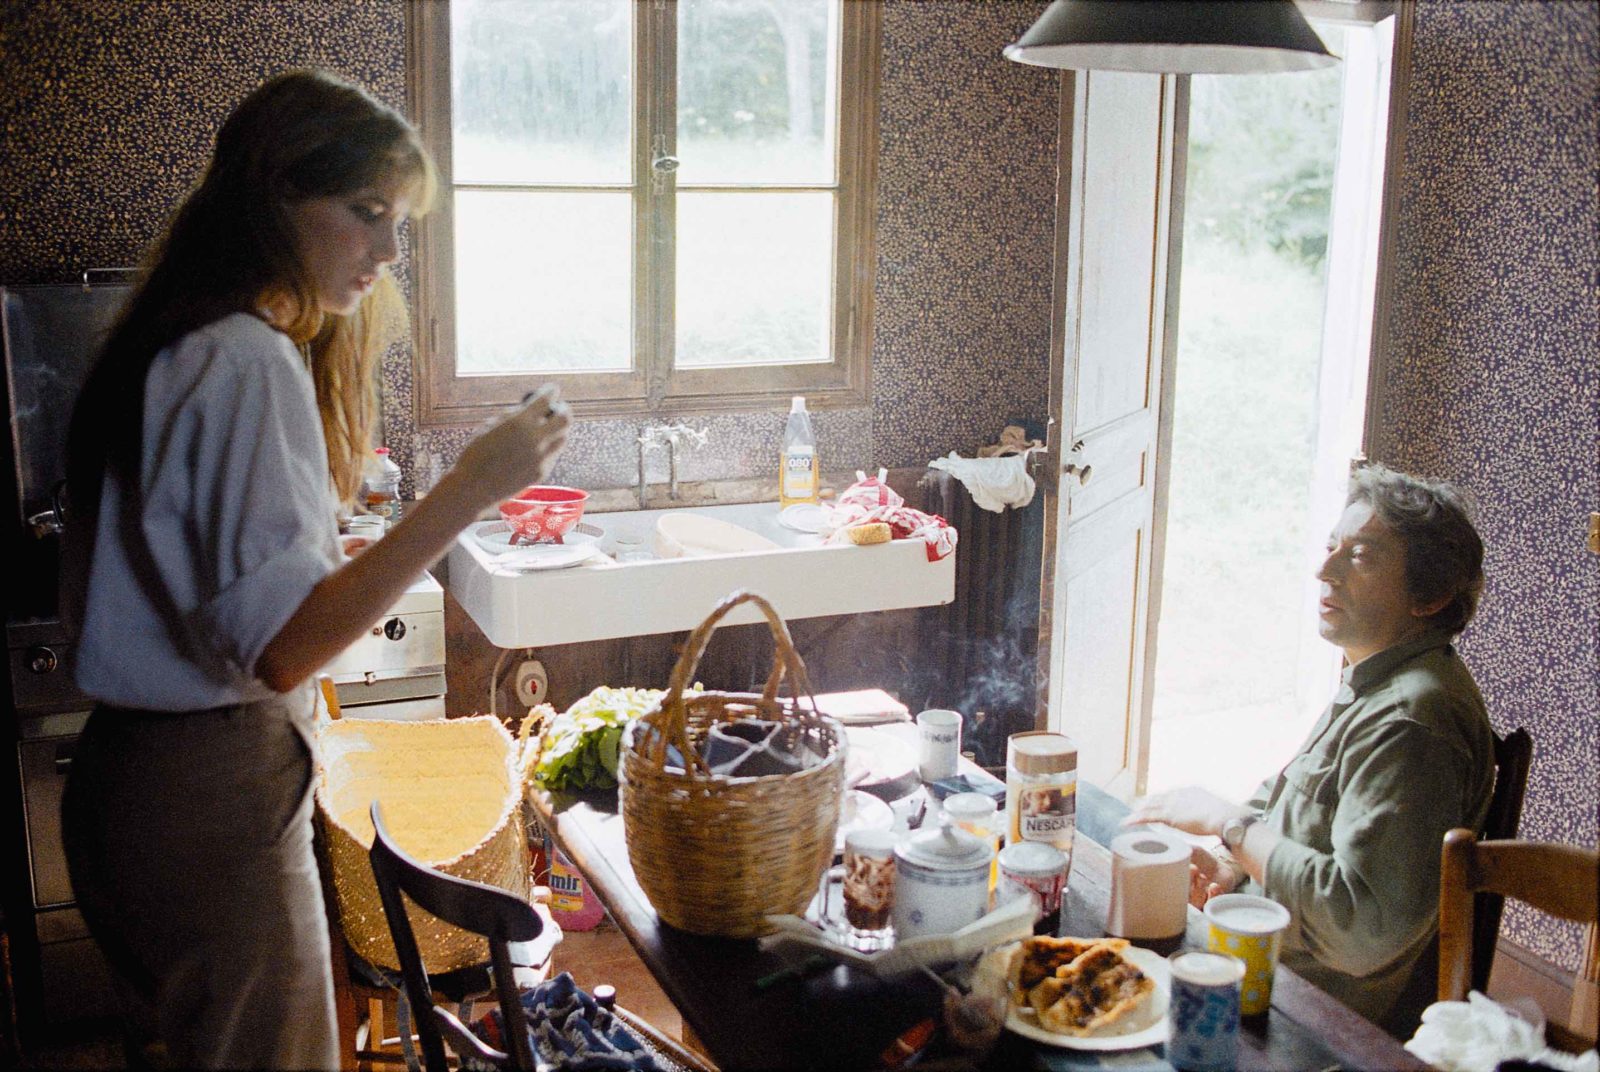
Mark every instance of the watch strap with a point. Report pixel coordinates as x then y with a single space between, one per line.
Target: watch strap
1234 830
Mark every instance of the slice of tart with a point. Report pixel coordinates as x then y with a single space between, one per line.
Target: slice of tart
1038 958
1096 989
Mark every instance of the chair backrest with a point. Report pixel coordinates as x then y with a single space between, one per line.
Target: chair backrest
1513 755
1562 880
499 916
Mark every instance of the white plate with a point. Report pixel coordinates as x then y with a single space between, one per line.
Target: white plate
581 544
883 765
861 811
1146 1027
495 537
803 517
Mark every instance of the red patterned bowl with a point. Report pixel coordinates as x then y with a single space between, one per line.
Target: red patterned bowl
543 513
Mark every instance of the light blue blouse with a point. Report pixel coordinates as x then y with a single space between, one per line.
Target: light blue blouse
237 525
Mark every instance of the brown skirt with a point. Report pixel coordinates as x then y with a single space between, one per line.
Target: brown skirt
188 841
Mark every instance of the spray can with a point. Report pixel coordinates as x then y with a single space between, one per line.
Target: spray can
797 473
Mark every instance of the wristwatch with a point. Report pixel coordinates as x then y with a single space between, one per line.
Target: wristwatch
1233 830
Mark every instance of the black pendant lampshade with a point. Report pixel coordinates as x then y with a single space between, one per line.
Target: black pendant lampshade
1173 36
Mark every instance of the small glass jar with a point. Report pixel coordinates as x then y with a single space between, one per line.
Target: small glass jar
631 548
977 814
1034 869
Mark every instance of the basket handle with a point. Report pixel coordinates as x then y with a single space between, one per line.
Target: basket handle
785 657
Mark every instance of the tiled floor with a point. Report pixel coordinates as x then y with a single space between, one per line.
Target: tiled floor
602 955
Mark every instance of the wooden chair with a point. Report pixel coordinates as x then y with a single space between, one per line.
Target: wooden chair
1562 880
501 918
1513 756
370 1016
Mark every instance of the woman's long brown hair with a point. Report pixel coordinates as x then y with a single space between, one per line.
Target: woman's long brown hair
230 248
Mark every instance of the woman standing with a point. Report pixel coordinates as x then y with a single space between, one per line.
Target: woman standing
230 409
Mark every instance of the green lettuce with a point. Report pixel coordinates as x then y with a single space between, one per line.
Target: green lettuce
583 744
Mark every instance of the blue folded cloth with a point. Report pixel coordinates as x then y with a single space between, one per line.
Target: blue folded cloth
570 1031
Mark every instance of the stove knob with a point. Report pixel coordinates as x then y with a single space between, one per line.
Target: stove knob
394 628
42 660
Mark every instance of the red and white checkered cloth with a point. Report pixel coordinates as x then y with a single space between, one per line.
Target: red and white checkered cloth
870 500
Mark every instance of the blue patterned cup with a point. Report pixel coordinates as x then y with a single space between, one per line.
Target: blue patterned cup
1203 1012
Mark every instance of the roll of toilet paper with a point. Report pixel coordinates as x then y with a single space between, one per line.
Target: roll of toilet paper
1149 885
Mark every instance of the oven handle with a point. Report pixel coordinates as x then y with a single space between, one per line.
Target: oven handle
64 752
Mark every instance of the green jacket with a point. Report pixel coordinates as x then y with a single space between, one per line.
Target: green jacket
1403 754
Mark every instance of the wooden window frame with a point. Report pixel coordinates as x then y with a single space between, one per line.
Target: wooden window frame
653 386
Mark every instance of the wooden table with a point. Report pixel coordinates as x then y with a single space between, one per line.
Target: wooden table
839 1017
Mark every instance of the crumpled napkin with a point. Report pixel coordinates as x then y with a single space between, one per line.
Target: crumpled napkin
993 483
1477 1034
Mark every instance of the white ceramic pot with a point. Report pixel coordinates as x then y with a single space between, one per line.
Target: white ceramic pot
941 882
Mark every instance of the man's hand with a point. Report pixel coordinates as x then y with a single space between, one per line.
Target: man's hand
1210 876
1191 809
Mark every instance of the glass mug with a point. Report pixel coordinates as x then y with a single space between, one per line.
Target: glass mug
868 889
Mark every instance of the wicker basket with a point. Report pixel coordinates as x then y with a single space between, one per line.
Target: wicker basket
451 791
717 854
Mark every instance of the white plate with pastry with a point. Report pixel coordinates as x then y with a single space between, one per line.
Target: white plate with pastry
1142 1023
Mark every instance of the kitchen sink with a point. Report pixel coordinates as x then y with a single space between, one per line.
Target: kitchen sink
604 598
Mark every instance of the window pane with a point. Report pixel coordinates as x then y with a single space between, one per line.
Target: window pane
754 278
541 90
542 282
756 90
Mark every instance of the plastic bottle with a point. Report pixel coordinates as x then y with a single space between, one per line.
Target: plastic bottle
797 474
380 486
572 904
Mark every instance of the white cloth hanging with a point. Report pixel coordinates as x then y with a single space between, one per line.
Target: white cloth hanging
993 483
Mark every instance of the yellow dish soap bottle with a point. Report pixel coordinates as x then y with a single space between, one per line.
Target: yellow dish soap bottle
797 475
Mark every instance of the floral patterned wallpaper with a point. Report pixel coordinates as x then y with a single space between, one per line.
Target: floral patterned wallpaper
107 112
113 108
1493 375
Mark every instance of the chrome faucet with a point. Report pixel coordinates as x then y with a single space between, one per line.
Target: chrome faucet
672 436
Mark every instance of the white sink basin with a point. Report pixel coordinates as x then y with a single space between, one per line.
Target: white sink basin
602 600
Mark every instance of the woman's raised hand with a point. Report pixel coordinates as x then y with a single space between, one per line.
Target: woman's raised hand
519 449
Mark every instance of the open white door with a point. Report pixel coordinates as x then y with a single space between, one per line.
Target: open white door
1106 404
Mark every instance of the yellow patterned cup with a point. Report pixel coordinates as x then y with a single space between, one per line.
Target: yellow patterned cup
1250 928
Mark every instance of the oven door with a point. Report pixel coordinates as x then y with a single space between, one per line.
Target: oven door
73 979
44 755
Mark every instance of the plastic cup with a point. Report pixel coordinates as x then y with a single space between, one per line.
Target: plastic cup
1203 1012
1251 928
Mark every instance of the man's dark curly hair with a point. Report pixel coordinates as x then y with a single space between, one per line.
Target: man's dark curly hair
1444 555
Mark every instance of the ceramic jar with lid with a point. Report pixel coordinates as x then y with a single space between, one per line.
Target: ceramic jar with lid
941 881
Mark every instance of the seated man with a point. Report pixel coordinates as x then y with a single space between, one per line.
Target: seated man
1347 835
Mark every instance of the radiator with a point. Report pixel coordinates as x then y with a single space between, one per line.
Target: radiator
980 650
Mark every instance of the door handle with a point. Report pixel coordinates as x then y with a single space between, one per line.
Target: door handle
1076 463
